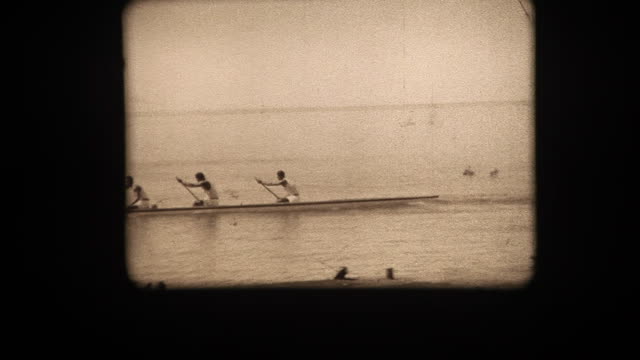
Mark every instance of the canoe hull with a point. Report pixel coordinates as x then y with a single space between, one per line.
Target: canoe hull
330 205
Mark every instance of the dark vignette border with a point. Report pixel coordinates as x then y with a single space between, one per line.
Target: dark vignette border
74 272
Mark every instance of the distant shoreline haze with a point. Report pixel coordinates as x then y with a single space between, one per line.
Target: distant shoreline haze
500 135
448 83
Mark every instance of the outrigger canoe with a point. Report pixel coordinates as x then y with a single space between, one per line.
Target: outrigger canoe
299 206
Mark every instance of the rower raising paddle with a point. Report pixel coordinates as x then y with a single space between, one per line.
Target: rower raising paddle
292 191
210 194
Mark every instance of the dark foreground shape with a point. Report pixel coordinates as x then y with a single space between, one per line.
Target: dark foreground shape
390 274
342 274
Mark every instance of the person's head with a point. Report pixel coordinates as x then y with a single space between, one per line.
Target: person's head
280 174
128 181
200 176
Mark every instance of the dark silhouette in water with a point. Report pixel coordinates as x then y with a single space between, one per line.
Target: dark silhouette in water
390 274
468 171
342 274
494 173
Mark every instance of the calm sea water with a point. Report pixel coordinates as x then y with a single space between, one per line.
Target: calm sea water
480 232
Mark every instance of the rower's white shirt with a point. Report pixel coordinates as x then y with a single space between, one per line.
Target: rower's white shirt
131 195
139 189
289 187
210 194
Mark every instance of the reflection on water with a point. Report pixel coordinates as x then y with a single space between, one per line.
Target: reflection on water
438 242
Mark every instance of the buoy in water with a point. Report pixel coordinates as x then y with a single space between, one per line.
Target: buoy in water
390 274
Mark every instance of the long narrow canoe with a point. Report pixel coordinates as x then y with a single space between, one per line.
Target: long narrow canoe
300 206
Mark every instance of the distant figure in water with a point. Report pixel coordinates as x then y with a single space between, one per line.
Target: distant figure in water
342 274
468 171
494 173
210 193
141 200
292 191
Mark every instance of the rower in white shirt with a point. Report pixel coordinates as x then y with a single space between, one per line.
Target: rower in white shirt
141 199
210 193
292 191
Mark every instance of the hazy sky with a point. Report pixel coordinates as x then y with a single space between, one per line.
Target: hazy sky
211 55
224 59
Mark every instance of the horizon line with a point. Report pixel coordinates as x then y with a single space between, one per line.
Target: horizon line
263 110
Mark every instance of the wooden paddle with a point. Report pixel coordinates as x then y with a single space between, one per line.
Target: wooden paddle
265 186
190 192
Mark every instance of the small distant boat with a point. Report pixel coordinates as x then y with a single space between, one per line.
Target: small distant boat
299 206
